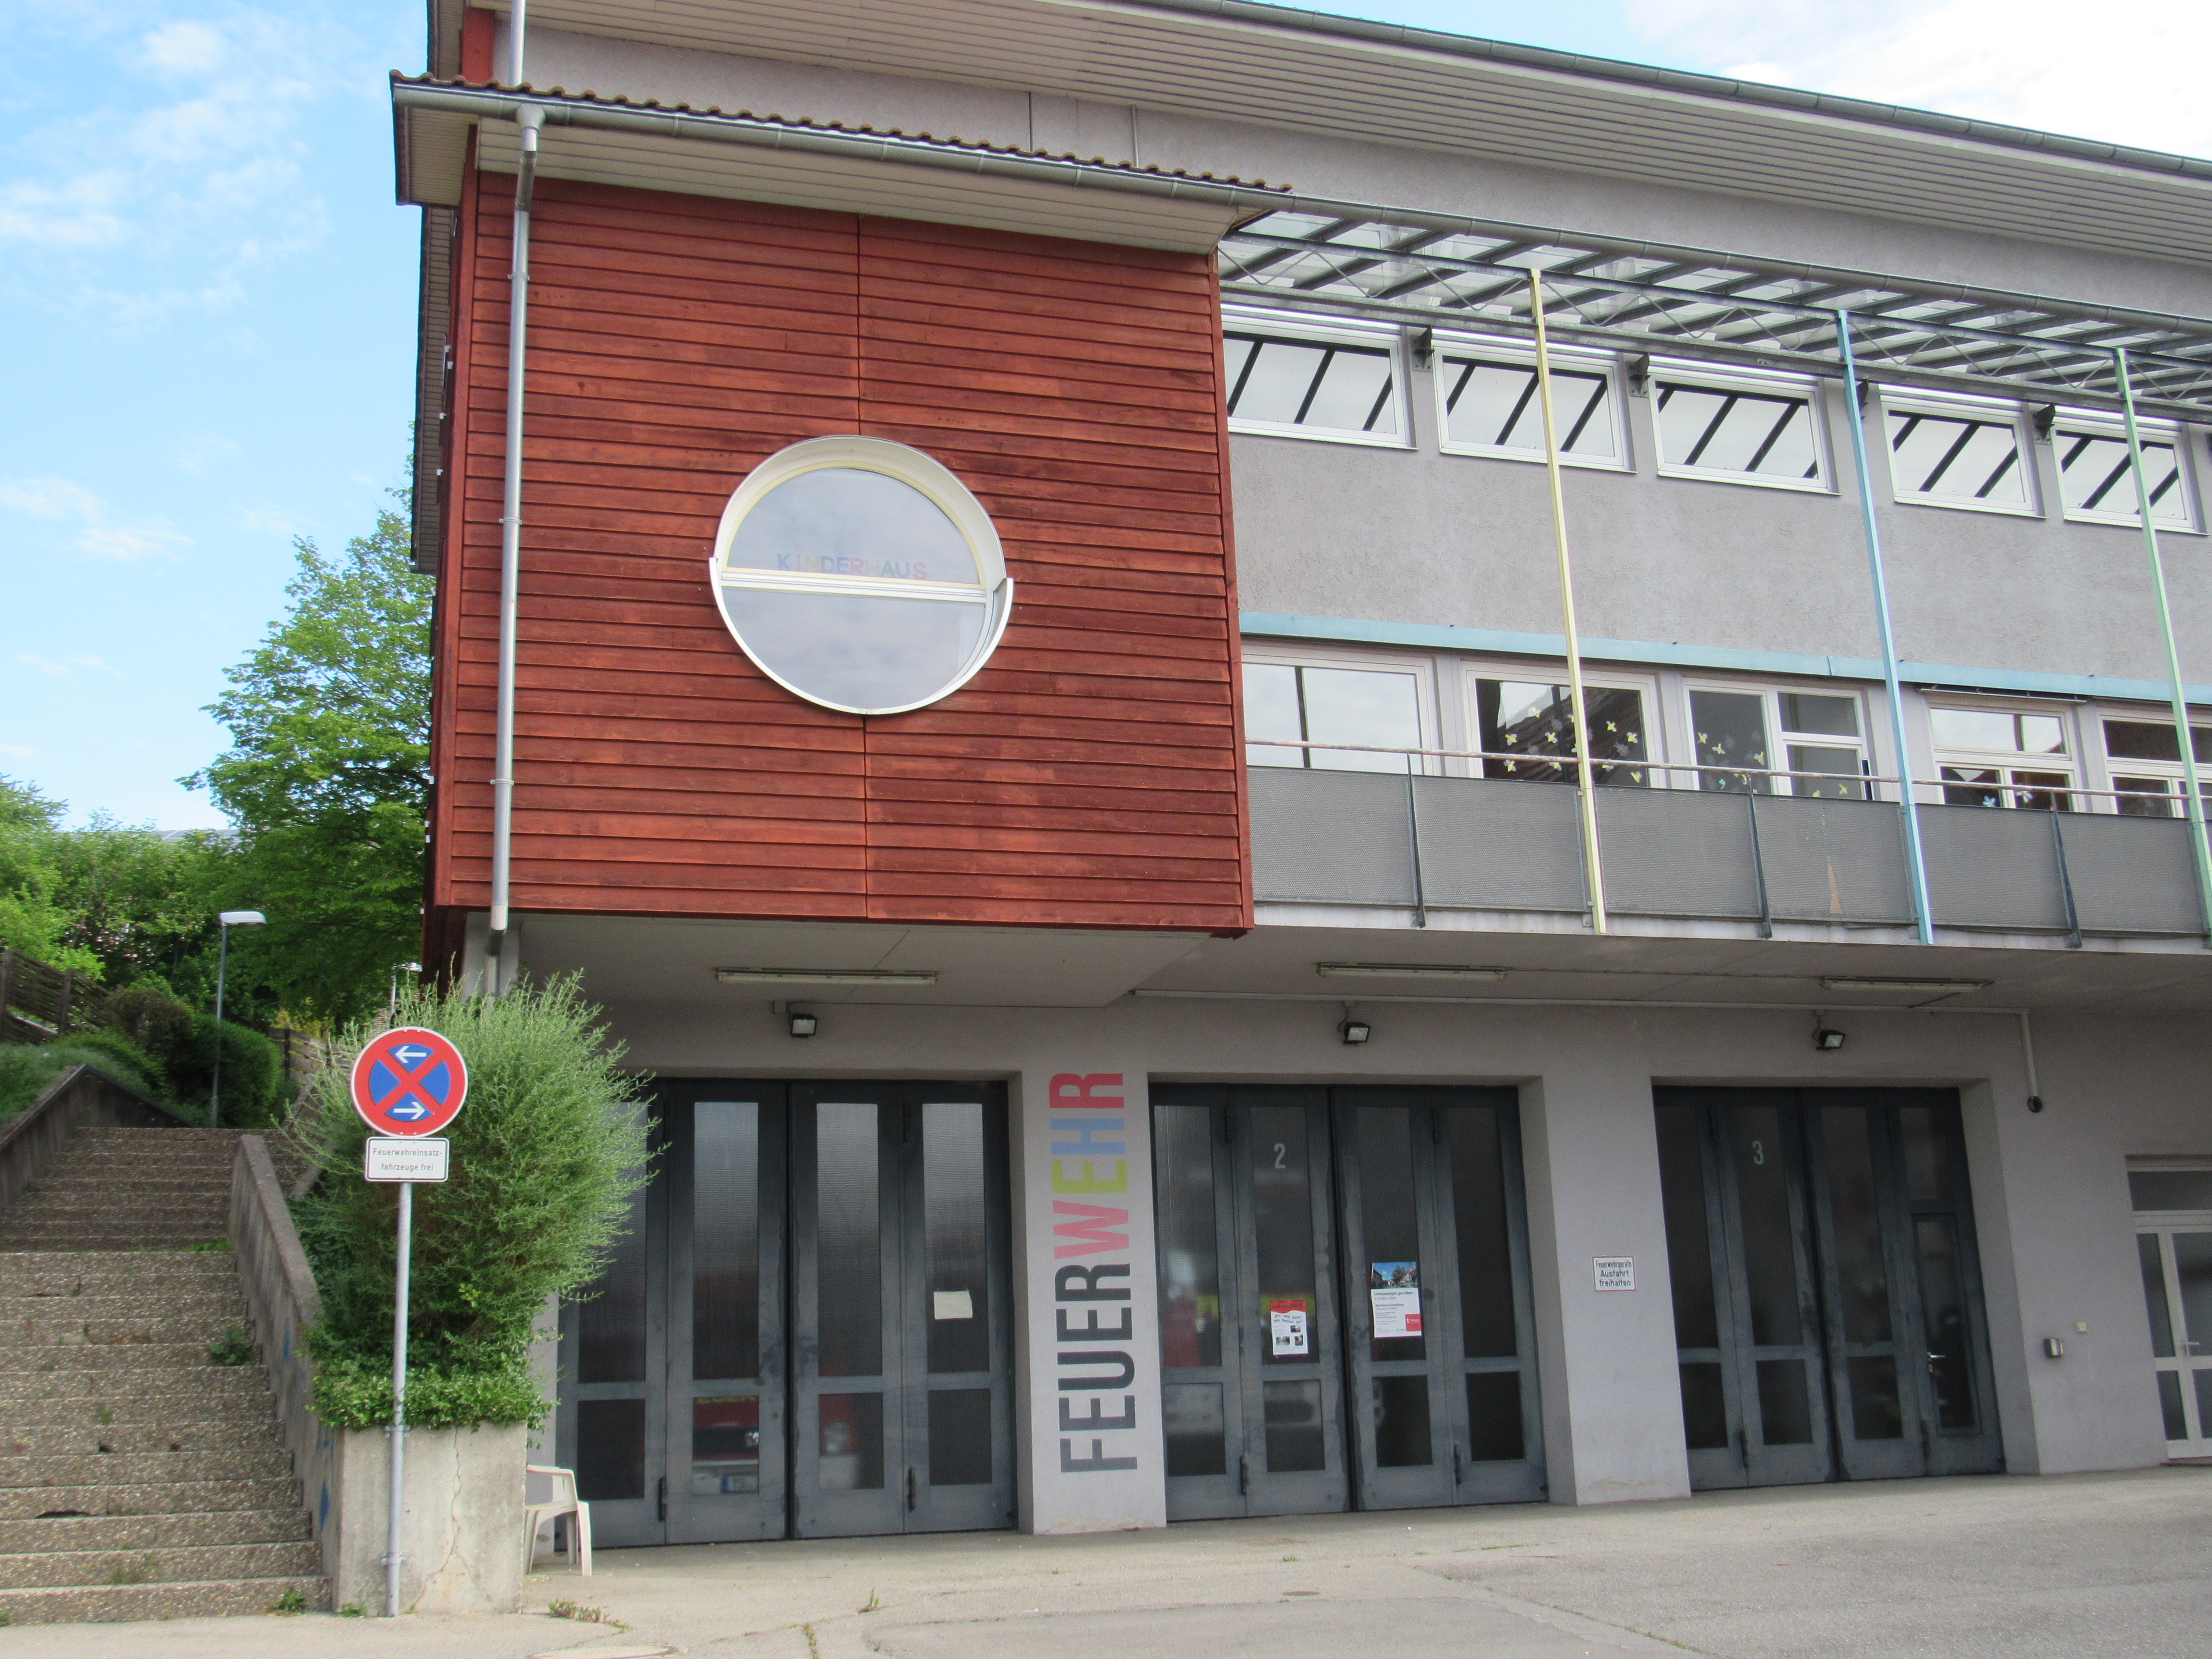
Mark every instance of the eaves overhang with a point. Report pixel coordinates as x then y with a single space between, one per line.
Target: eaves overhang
1235 61
800 163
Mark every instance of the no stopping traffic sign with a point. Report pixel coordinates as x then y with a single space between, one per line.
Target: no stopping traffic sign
410 1081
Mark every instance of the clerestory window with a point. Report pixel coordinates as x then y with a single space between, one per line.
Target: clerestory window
1739 425
1292 378
1959 451
2097 485
1489 403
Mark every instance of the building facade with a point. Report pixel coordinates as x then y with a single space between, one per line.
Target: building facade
1327 768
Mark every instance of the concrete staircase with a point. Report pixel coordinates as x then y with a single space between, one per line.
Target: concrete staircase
139 1478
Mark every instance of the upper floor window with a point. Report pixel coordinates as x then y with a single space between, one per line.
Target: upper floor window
2098 486
2146 765
1309 380
1518 718
1367 709
2000 758
1813 738
1491 406
1741 426
1959 451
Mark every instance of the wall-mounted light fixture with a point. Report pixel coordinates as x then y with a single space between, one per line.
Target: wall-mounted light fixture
1932 986
1355 1030
1828 1039
1405 970
826 975
804 1025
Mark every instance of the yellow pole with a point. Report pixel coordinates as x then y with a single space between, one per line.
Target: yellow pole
1585 784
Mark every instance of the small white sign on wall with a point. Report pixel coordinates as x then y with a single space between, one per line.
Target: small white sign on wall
1614 1273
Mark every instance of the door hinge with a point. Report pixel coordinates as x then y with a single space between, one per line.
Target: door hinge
1245 1475
1927 1450
1743 1446
1455 1466
1228 1126
909 1490
661 1503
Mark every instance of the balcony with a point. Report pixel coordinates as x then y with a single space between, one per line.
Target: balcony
1501 848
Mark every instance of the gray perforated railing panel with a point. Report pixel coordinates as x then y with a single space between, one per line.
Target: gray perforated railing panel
1333 837
1491 844
1674 853
1833 860
1992 866
2131 875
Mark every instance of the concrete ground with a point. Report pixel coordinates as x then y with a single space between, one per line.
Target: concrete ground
2078 1566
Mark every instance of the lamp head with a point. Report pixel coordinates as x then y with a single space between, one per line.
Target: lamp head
242 919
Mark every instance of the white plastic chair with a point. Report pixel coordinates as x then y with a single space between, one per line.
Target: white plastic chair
560 1486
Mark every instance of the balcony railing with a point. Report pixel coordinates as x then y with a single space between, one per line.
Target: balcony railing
1425 841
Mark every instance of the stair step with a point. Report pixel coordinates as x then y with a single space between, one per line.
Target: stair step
155 1497
156 1176
65 1328
252 1428
19 1474
112 1603
218 1299
136 1395
59 1272
183 1564
32 1238
144 1532
103 1357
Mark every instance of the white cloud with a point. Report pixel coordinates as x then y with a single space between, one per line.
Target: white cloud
99 531
194 171
67 669
19 750
2125 72
196 451
268 520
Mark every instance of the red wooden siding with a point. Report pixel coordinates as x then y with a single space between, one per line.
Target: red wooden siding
1090 776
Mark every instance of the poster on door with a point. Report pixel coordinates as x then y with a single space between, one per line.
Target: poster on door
1288 1336
1394 1296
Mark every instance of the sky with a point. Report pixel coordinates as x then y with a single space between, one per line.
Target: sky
207 297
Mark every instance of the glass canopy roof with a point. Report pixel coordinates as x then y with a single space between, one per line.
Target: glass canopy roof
1684 302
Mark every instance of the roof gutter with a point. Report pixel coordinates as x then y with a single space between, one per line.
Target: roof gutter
557 109
1861 111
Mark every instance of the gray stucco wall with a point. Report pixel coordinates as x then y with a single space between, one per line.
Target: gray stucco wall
2050 1189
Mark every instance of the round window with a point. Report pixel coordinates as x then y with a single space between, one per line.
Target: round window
861 575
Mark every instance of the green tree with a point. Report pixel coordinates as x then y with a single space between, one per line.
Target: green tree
327 775
33 917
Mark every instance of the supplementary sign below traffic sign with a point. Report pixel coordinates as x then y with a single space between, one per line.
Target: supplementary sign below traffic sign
413 1158
409 1082
1614 1273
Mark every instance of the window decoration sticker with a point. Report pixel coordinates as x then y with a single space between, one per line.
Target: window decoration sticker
861 575
1288 1335
1394 1295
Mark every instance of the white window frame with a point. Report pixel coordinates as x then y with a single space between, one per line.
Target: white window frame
1770 693
1276 655
2171 772
1297 326
2100 423
1554 671
1994 411
2011 760
1521 354
1675 370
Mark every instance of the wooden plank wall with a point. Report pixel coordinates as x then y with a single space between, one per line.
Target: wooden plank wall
1089 776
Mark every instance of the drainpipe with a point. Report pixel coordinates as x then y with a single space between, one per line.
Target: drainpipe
1585 779
1915 861
2195 811
510 523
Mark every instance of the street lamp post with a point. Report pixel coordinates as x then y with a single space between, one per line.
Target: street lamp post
229 918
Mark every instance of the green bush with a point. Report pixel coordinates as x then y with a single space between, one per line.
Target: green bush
27 1068
254 1078
117 1056
348 1395
546 1155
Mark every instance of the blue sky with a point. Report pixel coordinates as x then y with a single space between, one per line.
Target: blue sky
208 297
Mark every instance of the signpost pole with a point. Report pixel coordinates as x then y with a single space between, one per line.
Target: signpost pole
391 1553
